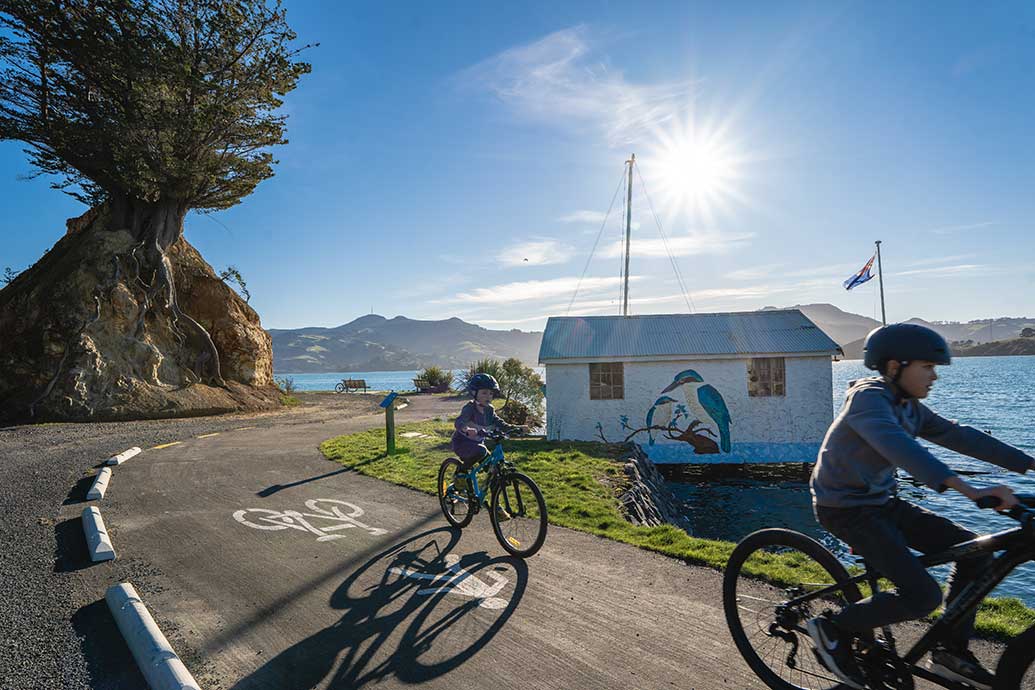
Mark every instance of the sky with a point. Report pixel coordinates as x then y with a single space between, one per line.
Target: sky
460 159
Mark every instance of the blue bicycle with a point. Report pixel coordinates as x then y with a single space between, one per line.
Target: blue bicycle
517 509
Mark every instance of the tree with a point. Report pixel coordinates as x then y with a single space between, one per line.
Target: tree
151 109
518 384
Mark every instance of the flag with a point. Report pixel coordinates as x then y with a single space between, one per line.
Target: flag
862 276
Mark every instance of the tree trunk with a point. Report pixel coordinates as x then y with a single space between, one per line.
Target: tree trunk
156 226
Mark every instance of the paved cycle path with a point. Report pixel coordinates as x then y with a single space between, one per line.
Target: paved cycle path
271 567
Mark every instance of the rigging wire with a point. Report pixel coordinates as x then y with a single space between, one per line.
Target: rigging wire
595 242
675 266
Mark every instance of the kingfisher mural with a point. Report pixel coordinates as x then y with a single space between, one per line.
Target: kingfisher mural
707 418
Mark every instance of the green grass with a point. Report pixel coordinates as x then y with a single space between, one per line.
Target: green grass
289 400
581 482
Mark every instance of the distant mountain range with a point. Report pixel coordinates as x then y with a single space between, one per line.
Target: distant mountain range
849 330
374 343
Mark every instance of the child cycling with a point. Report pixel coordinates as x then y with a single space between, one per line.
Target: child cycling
476 419
854 497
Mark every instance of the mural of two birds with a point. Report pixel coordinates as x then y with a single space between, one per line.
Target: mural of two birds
705 403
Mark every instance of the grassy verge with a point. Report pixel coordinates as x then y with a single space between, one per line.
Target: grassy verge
580 482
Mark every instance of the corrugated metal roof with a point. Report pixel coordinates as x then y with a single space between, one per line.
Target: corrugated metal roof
754 332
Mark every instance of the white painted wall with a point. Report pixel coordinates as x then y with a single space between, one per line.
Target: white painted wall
801 417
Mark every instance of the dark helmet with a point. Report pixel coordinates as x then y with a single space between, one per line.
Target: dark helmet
482 381
904 342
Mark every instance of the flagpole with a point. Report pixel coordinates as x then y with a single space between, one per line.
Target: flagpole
880 276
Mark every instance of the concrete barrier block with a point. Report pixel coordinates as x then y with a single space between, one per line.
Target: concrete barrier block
154 655
100 485
97 539
122 457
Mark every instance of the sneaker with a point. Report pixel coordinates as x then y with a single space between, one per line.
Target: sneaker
501 514
835 651
960 667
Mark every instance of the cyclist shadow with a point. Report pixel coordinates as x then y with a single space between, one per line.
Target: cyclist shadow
406 597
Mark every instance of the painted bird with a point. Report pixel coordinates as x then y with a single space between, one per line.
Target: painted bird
706 403
659 414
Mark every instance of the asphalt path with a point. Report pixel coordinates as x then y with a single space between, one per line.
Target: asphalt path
269 567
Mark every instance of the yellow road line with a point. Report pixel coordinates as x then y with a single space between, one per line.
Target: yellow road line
215 433
166 445
242 428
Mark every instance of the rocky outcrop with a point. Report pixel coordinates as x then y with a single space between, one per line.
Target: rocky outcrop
83 336
647 501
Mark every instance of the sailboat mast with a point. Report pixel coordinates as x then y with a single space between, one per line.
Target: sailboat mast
628 226
880 276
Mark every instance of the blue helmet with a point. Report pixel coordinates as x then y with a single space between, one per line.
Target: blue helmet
481 382
904 342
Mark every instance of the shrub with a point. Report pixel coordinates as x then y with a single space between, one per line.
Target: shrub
286 385
517 383
434 376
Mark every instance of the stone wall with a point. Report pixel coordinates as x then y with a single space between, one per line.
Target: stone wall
648 501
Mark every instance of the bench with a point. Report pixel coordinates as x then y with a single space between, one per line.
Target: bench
349 385
423 386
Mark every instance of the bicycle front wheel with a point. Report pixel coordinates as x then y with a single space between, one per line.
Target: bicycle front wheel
455 496
518 497
340 388
765 571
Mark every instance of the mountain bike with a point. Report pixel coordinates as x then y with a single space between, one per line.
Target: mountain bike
510 491
767 615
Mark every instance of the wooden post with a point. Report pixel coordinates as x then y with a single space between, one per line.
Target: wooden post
390 428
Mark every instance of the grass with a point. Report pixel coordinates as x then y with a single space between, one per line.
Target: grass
289 400
581 482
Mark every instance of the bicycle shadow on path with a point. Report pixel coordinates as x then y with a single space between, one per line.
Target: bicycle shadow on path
396 609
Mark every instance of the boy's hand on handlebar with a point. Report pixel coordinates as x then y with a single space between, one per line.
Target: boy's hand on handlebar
1000 492
471 432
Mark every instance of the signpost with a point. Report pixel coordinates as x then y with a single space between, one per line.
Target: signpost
389 404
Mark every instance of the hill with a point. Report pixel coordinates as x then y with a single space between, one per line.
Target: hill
1014 346
374 343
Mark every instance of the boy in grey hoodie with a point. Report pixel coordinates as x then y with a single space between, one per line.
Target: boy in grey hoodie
854 497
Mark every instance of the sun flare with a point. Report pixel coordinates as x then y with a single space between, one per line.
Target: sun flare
696 170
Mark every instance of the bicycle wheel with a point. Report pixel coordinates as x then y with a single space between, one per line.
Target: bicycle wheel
340 388
457 503
769 635
524 533
1016 669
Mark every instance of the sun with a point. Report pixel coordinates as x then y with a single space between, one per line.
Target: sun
697 171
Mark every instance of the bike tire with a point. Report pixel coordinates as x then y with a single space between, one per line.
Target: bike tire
446 471
792 642
340 388
511 494
1016 667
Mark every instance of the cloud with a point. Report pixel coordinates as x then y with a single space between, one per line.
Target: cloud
524 291
952 229
593 217
712 243
960 269
535 253
557 80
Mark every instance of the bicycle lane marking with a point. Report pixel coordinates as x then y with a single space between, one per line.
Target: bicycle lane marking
456 580
323 509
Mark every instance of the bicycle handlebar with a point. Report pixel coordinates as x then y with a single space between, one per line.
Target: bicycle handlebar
1019 512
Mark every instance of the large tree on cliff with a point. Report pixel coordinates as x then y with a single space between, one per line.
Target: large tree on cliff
149 109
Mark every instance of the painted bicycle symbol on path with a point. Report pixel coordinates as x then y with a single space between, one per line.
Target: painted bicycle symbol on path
456 580
341 514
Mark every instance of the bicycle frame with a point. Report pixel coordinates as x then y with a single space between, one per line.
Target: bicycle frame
1018 546
495 457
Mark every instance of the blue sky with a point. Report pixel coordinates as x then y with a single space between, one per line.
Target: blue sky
436 147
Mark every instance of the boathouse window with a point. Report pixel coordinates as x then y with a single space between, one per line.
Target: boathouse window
606 381
767 377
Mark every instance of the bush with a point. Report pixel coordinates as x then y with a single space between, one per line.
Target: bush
514 412
286 385
434 377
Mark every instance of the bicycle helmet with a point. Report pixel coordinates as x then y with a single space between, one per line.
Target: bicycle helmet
904 342
480 382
